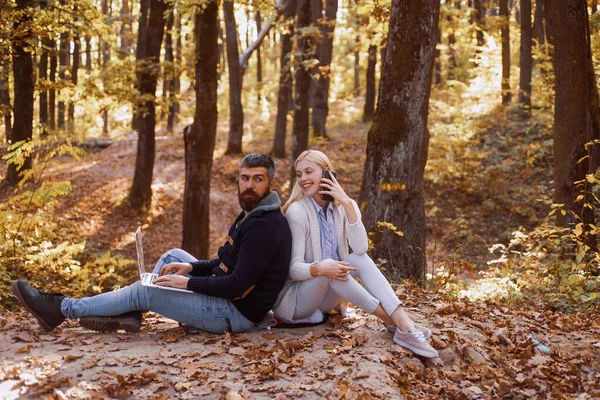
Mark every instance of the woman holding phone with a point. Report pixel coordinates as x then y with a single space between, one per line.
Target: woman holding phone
325 224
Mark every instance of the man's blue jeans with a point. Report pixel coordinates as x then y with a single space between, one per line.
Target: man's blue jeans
204 312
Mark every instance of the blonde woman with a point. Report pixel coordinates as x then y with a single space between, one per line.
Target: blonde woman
323 271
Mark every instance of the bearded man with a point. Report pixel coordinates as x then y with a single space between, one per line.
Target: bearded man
232 293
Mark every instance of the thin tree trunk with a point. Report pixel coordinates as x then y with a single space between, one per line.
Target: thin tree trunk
438 57
139 57
5 106
477 15
222 55
398 141
88 53
357 67
576 116
52 91
526 59
259 78
173 103
43 81
369 108
302 83
594 6
538 23
505 31
168 69
74 73
23 89
105 45
125 31
141 189
63 61
285 79
236 112
200 145
321 94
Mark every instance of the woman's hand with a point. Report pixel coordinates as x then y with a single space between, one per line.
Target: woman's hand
176 281
338 270
334 189
178 268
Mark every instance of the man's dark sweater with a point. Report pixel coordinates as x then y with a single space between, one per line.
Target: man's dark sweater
257 258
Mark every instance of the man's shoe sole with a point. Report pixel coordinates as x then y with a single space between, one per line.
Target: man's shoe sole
17 293
108 324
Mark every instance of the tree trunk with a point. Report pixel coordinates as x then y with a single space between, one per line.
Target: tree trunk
147 76
222 55
576 116
5 106
594 6
125 31
105 46
43 79
236 112
63 61
168 69
398 140
74 73
526 59
369 109
139 57
357 67
23 88
477 16
505 31
200 144
173 104
88 53
52 91
259 78
438 57
302 83
321 94
538 23
285 79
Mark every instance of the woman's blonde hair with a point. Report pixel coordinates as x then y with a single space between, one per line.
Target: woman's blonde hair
316 156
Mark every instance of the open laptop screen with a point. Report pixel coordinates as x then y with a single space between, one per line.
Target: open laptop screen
139 247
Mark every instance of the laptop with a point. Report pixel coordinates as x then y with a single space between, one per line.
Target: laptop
147 278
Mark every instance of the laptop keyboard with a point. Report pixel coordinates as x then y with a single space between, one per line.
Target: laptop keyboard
148 278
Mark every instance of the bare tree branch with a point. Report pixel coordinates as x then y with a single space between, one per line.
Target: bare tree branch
279 8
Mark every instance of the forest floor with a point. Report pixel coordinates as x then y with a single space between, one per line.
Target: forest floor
486 170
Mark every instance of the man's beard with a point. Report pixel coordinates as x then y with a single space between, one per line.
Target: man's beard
250 199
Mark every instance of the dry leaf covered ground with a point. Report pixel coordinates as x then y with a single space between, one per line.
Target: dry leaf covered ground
484 347
484 352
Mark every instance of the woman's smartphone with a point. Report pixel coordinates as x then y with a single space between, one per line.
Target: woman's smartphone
326 175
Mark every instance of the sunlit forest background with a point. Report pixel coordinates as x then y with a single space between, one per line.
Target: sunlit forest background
67 221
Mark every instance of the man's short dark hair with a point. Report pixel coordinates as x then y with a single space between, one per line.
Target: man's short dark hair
254 160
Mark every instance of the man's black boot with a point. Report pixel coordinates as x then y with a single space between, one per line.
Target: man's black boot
129 322
44 306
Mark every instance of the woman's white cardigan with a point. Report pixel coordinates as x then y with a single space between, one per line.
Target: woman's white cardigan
306 247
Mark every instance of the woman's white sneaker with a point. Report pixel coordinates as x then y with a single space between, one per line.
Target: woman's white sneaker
416 342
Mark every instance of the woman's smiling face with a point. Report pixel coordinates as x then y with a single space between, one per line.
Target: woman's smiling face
309 177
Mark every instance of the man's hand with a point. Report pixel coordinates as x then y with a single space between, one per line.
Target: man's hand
176 281
177 268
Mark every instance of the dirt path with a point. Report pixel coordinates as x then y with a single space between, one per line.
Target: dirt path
484 351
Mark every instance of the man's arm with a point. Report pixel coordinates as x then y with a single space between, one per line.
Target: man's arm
259 245
204 267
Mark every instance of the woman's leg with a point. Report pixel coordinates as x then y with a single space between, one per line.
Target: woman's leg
374 281
325 293
205 312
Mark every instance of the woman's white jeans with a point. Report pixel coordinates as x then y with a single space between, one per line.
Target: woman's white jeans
325 293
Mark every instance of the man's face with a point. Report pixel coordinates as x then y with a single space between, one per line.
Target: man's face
253 186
